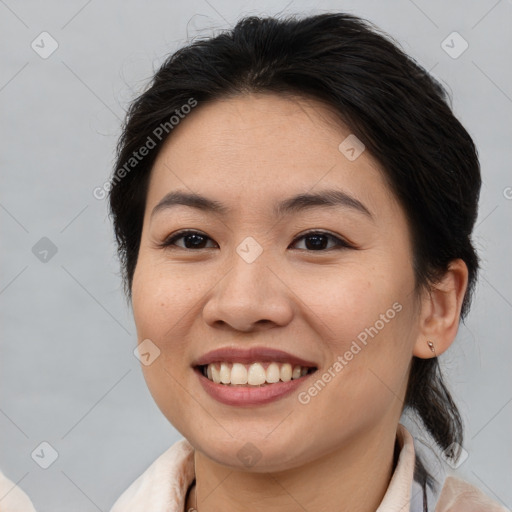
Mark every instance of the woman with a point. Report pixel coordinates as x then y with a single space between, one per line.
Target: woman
293 204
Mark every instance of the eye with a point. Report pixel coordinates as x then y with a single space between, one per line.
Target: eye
318 239
194 239
197 240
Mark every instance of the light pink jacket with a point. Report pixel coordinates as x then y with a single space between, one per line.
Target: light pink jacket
163 486
12 498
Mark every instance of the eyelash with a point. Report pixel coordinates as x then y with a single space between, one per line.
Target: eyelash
339 242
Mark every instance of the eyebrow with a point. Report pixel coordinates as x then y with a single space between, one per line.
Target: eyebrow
329 198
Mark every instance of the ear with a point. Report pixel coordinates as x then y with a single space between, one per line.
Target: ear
440 311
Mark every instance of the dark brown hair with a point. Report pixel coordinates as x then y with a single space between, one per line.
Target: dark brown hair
389 102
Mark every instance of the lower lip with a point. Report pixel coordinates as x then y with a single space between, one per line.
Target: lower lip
249 395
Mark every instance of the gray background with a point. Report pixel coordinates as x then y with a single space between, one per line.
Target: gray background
68 374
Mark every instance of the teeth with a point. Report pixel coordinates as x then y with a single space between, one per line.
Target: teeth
225 373
286 372
273 373
238 374
215 373
255 374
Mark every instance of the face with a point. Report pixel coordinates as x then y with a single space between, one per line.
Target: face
326 288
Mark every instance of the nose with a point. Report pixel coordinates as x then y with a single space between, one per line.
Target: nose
250 297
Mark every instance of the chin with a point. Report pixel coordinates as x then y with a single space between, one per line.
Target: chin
252 451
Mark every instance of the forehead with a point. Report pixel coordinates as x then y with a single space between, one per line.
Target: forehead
257 148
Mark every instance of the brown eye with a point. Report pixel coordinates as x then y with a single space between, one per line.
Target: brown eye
192 240
319 239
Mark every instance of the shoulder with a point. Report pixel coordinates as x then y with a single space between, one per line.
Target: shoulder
458 495
12 498
163 485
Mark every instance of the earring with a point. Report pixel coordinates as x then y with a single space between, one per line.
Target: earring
431 345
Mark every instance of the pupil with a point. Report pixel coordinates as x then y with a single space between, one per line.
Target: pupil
198 240
316 245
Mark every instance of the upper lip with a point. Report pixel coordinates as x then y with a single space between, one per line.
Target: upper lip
251 355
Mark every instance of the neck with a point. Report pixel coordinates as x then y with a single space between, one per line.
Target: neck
354 477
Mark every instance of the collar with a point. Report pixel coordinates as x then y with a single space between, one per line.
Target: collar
398 494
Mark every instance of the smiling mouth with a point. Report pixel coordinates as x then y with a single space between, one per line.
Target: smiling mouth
257 374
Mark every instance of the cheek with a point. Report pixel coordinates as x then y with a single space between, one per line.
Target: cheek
160 298
160 306
370 324
356 303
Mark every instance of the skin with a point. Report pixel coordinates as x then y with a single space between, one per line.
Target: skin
335 452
